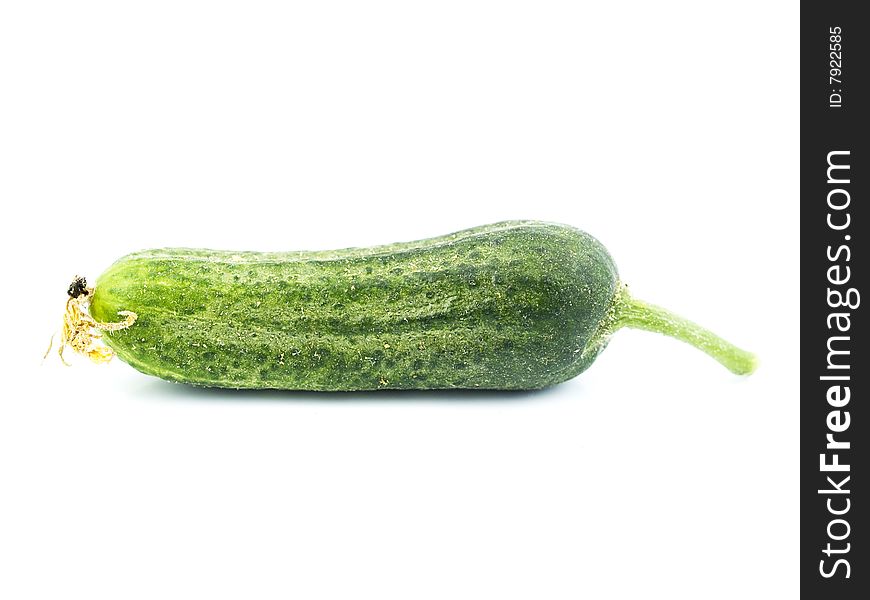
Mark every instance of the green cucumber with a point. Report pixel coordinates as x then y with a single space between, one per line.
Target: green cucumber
513 305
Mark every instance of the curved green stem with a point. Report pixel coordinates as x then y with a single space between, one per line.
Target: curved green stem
637 314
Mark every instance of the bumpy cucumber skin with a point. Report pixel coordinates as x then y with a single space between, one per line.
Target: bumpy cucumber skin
513 305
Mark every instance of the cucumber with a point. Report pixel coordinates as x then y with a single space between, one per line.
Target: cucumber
512 305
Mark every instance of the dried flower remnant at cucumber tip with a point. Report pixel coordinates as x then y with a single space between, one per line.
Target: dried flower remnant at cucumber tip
80 331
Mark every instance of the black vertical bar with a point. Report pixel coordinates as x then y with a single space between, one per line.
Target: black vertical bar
835 367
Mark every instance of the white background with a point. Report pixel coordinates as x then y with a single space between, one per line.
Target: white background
669 130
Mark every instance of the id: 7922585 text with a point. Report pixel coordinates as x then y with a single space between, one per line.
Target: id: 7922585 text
835 74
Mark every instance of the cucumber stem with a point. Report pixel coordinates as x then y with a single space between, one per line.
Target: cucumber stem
637 314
